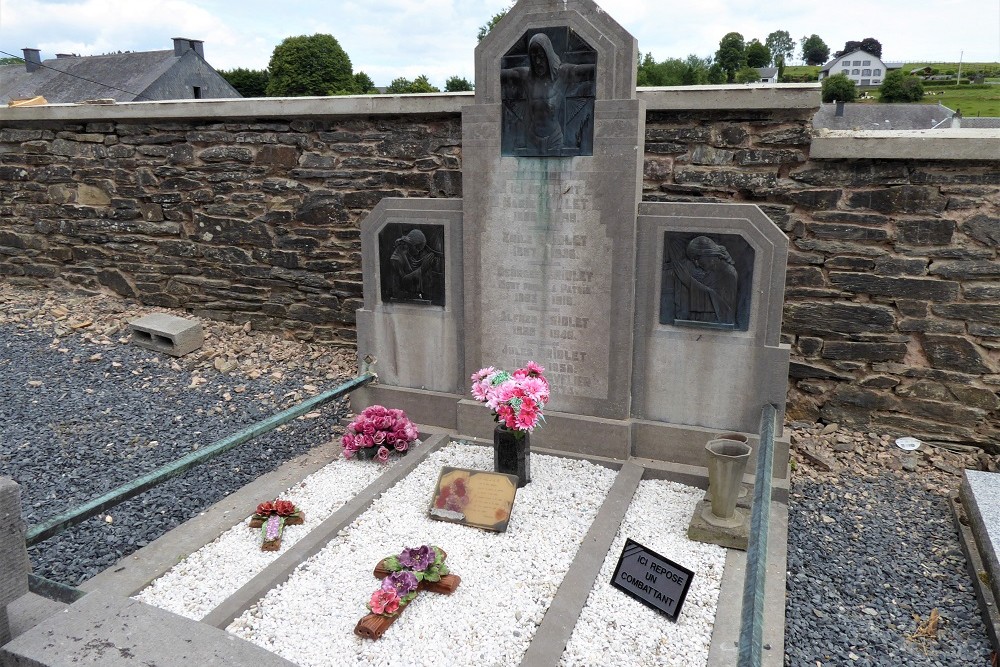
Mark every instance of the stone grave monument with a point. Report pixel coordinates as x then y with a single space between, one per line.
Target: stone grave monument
658 324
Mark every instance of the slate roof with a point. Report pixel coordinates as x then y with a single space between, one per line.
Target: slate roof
122 76
767 72
980 122
883 117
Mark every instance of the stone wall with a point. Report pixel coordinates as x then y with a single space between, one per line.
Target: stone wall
248 210
234 220
891 290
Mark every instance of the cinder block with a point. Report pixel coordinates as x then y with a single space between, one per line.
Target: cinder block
169 334
14 563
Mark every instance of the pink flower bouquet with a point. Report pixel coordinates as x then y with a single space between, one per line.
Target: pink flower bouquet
517 398
378 432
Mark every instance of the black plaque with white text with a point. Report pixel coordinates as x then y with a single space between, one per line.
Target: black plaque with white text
651 579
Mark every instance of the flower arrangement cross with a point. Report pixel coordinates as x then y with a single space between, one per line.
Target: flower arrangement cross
415 569
517 398
377 432
286 509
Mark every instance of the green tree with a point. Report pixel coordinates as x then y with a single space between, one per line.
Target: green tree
838 88
363 84
779 62
489 25
747 75
716 74
872 46
403 85
672 71
899 87
758 55
732 54
13 60
814 50
309 65
247 82
456 84
781 45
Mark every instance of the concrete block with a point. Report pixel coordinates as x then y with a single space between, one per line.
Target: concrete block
29 610
14 563
101 629
169 334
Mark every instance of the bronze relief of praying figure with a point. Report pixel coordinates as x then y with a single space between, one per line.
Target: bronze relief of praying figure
412 268
548 100
703 285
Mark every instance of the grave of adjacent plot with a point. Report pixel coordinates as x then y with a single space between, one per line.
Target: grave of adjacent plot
657 323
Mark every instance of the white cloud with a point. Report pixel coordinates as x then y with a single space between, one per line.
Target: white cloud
392 38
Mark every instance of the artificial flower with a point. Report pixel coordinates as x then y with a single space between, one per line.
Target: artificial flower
417 558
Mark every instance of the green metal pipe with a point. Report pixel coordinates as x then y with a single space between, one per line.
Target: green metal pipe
752 621
83 512
54 590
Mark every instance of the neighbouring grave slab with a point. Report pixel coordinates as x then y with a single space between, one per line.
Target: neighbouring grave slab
980 494
166 333
14 564
101 629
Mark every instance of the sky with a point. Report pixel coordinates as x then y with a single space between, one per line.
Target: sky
391 38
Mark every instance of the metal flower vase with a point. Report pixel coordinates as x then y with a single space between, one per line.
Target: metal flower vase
512 453
727 461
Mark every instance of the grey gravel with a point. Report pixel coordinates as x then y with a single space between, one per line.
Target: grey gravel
76 425
857 583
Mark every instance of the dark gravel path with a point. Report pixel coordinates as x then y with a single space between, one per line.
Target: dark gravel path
864 557
75 426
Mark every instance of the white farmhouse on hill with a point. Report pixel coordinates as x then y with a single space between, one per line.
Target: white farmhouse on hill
861 67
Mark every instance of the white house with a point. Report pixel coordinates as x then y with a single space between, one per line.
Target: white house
861 67
768 74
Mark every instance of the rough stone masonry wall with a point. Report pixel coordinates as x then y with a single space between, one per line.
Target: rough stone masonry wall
891 297
891 293
234 220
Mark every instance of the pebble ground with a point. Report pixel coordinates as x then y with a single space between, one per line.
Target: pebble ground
873 557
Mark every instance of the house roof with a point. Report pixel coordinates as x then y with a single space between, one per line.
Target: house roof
980 122
882 116
767 72
123 76
834 61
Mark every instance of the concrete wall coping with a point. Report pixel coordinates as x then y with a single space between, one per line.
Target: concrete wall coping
754 96
945 144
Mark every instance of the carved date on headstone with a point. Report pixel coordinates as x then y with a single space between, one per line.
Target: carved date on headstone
548 85
411 263
706 280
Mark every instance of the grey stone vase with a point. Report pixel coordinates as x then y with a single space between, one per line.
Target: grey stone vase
727 461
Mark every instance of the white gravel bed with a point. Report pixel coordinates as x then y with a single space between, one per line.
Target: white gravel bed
200 582
614 624
508 579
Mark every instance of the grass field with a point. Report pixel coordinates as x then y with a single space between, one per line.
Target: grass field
973 101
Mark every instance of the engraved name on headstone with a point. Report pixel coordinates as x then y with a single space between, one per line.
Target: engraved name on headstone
553 273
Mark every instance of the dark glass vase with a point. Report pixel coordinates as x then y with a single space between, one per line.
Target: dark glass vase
512 453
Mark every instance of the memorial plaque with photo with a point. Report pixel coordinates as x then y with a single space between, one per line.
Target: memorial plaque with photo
651 579
411 264
474 498
706 281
